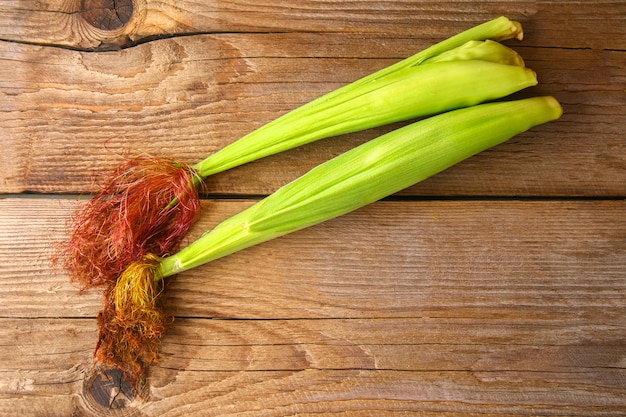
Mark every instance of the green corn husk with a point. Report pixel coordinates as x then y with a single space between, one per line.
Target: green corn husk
366 174
414 93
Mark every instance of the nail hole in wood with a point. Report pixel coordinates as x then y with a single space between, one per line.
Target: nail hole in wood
107 14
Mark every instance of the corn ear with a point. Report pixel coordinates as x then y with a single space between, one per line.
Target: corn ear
366 174
330 114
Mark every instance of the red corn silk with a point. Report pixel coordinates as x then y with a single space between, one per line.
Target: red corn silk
131 216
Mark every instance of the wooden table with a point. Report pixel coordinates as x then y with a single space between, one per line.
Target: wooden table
497 288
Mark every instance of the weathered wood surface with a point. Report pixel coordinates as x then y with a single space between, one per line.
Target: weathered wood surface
78 113
88 24
467 307
460 302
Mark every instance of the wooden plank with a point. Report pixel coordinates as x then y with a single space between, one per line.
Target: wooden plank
426 365
490 307
399 308
557 261
30 232
97 24
68 117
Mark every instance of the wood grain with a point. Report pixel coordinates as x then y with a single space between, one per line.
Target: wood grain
432 366
493 289
391 259
74 24
69 117
405 306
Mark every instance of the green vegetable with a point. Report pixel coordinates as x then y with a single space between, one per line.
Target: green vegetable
405 90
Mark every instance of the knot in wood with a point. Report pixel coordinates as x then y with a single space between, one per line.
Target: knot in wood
107 14
107 393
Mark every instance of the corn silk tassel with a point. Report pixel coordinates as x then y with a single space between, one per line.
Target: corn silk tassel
148 204
132 324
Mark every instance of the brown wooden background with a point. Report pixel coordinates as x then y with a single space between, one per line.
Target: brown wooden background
497 288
